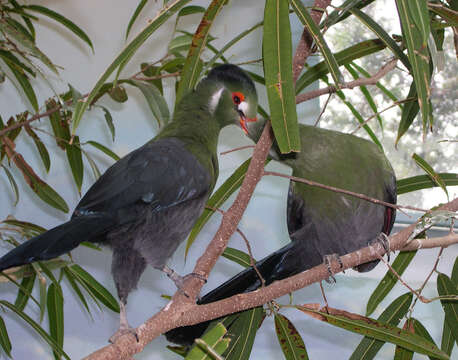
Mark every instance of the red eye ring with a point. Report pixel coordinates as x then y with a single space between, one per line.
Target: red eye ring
237 97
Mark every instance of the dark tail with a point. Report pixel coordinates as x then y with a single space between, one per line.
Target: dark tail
245 281
58 240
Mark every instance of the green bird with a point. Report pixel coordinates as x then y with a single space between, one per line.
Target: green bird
320 222
145 204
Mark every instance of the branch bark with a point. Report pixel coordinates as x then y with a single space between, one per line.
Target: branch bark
348 85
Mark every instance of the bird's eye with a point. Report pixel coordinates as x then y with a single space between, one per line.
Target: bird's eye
237 98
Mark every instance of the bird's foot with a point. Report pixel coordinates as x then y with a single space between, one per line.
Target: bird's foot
383 240
121 332
180 280
327 259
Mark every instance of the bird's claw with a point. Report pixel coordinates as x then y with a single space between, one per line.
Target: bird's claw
180 280
121 332
384 241
327 259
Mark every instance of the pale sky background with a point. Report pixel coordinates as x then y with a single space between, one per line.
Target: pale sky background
105 22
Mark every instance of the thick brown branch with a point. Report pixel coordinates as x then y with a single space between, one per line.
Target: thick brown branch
348 85
430 243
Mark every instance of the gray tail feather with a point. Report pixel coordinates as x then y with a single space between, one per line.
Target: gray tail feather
58 240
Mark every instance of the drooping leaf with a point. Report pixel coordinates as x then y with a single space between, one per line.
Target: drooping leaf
75 160
36 327
369 346
134 17
191 9
25 291
13 184
424 182
122 59
44 154
314 30
277 56
16 24
155 100
193 65
55 305
75 29
109 121
97 289
414 20
104 149
59 124
409 112
430 171
43 190
383 35
343 11
5 342
118 94
95 169
43 295
71 280
445 287
379 331
290 340
400 264
401 353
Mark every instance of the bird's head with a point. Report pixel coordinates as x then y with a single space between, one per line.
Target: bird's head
232 97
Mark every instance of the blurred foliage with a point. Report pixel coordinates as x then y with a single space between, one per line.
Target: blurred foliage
350 43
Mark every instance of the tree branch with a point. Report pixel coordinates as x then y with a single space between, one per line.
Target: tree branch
348 85
429 243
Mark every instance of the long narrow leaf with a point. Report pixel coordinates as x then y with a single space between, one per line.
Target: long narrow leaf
445 287
36 327
430 171
385 285
169 10
55 305
237 256
104 149
314 30
62 20
134 17
277 56
44 154
193 64
13 184
290 340
5 342
75 160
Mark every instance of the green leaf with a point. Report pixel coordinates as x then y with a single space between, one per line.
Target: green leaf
94 167
448 341
71 280
134 17
104 149
180 43
191 9
211 338
371 344
237 256
343 57
5 342
62 20
450 16
8 56
383 35
445 287
27 43
55 304
21 28
290 340
109 121
400 264
59 125
422 331
277 55
38 329
430 171
42 285
424 182
314 30
24 291
12 183
223 193
155 100
343 11
43 190
415 27
23 83
44 154
401 353
366 94
242 333
97 289
121 60
75 160
27 226
193 65
409 112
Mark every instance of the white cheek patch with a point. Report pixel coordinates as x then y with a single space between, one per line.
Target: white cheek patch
214 100
243 107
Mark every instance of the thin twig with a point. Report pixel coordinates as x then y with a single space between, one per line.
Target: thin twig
347 192
322 110
237 149
156 77
348 85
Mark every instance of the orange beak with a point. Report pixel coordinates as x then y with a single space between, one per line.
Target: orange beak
243 121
